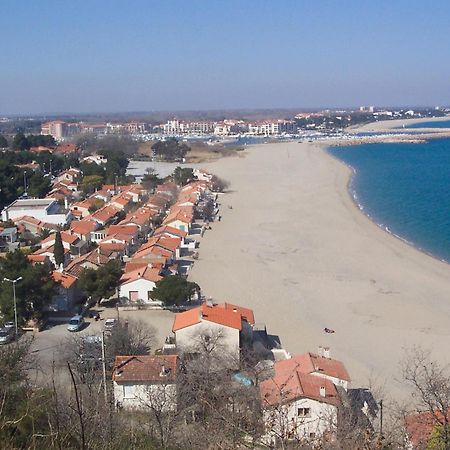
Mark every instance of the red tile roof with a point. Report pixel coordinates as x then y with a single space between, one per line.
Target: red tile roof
420 426
64 279
289 386
312 363
83 227
220 314
146 368
168 230
147 273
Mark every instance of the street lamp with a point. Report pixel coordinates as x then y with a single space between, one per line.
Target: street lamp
14 296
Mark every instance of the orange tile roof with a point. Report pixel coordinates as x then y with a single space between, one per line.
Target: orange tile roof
149 274
123 229
420 426
146 368
65 237
246 313
310 363
83 227
166 229
64 279
289 386
218 314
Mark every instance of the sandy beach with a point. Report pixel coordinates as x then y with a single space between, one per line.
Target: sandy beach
297 250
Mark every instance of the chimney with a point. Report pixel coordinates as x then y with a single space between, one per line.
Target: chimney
320 350
326 352
66 203
209 303
163 371
322 391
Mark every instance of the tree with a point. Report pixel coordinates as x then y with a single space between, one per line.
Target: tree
182 176
218 184
174 290
101 283
170 150
150 180
20 142
58 251
3 142
33 291
39 185
96 205
90 183
430 383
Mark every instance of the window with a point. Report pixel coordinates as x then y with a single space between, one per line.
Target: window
128 392
303 412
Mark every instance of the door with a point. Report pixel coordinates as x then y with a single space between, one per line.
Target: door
133 296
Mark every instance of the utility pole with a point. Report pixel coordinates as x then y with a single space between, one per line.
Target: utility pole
104 367
25 182
14 297
381 418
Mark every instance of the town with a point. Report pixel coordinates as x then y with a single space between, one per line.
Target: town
90 253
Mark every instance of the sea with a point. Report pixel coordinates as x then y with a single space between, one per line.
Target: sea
438 124
405 189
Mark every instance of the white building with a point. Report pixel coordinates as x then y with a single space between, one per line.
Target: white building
221 328
273 128
297 406
146 381
44 209
138 284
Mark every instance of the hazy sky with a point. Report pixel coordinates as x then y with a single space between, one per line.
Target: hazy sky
142 55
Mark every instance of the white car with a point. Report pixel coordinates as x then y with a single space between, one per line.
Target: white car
110 324
6 336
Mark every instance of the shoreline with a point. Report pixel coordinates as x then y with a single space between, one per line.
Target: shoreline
295 238
353 196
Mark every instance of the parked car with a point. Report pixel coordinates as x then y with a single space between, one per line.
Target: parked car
110 324
76 323
6 336
10 326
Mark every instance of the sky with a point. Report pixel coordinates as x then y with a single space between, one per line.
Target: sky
160 55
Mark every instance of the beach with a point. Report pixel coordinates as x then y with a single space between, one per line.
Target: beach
296 249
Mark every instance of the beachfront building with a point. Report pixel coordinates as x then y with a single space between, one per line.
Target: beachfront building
220 328
67 293
297 406
137 285
144 381
44 209
268 128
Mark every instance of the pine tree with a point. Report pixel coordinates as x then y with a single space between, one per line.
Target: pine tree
58 251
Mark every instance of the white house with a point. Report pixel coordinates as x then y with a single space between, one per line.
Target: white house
297 406
147 381
220 328
138 284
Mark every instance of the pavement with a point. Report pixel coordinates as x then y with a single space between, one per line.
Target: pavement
51 347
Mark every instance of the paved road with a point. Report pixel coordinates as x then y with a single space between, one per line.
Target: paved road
51 347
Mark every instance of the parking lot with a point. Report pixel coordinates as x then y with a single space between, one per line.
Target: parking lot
51 347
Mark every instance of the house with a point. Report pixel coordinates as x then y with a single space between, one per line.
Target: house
420 426
8 238
72 175
146 380
297 406
67 294
320 365
105 215
70 241
179 219
33 225
44 209
49 252
81 209
225 326
137 285
92 260
169 247
83 229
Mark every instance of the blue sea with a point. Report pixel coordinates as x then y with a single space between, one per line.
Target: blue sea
405 188
438 124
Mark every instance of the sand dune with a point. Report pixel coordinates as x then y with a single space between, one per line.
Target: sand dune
297 250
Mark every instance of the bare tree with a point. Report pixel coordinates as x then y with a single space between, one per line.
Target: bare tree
430 383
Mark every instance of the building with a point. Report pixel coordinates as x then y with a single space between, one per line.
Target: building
137 285
146 381
224 327
67 294
55 128
45 209
297 406
267 128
